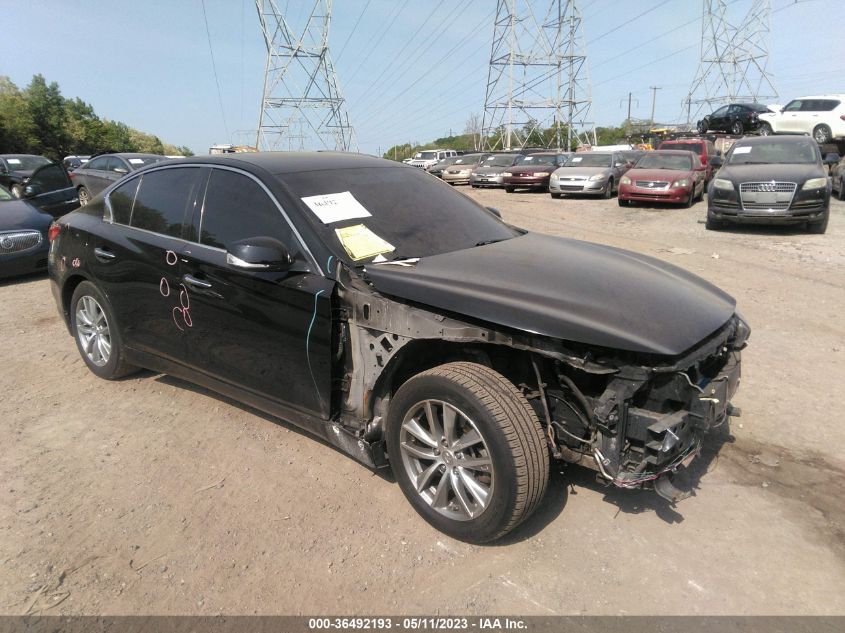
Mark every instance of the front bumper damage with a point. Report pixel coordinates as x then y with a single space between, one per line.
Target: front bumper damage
650 422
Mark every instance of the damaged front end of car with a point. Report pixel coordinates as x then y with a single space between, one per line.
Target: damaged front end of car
633 418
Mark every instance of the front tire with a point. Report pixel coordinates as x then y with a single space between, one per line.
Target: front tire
96 333
820 227
510 189
556 196
703 125
712 224
822 134
608 191
467 450
765 129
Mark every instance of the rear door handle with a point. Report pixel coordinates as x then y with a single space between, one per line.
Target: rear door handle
104 255
196 283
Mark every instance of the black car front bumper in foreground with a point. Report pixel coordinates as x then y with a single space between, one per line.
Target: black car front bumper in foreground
804 206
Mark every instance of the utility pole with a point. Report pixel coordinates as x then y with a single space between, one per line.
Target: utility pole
654 90
628 120
734 58
537 75
300 84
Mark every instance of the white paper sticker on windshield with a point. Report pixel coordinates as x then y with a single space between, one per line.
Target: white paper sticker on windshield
136 161
13 161
742 150
334 207
527 158
577 159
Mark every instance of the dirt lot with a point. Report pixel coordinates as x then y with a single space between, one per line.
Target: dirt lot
150 495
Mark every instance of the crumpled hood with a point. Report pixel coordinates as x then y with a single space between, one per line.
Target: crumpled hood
566 289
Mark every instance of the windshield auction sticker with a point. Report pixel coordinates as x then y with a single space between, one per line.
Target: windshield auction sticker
334 207
360 242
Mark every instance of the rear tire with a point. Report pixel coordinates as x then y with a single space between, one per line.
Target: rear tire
96 333
703 125
822 134
556 196
737 128
492 426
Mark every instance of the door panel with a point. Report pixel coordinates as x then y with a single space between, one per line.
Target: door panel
266 332
52 190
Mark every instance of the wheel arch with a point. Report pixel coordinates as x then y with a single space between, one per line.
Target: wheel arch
69 287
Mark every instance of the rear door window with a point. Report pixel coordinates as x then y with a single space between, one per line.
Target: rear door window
162 200
98 163
236 207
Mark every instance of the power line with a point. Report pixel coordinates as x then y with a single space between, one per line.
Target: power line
352 32
214 68
384 32
628 22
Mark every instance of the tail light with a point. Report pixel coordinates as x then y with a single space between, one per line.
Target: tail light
842 117
71 175
53 231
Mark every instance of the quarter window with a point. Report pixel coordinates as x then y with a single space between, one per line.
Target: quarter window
162 200
236 207
120 201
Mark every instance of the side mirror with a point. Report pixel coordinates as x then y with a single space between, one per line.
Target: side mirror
120 170
716 161
259 254
30 191
831 159
495 212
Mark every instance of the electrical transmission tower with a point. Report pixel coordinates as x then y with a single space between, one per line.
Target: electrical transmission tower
734 59
301 105
537 78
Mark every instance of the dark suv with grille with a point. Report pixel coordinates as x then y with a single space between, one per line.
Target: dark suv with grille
771 180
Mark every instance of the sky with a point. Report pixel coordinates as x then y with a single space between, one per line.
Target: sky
410 70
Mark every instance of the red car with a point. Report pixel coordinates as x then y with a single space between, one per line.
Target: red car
532 171
675 176
702 147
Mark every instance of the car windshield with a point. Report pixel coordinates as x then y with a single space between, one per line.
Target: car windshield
656 160
499 160
26 163
589 160
136 162
779 152
5 195
448 161
425 155
414 213
535 159
469 159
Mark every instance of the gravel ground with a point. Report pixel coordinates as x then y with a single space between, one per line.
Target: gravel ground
152 496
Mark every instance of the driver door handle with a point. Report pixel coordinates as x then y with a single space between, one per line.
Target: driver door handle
104 255
196 283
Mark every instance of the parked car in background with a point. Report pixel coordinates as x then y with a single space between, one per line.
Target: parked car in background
664 176
437 170
74 162
837 178
589 173
823 117
734 118
15 169
105 169
24 222
532 171
771 180
404 324
428 158
458 173
488 173
704 149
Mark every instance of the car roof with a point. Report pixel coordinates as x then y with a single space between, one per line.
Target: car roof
831 96
292 162
22 156
674 152
780 138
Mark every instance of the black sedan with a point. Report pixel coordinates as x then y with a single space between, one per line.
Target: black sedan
15 170
103 170
403 323
734 118
24 223
771 180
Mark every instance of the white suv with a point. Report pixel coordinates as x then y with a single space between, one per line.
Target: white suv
428 158
822 116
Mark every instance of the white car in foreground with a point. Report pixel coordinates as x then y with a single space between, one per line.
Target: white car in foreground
821 116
